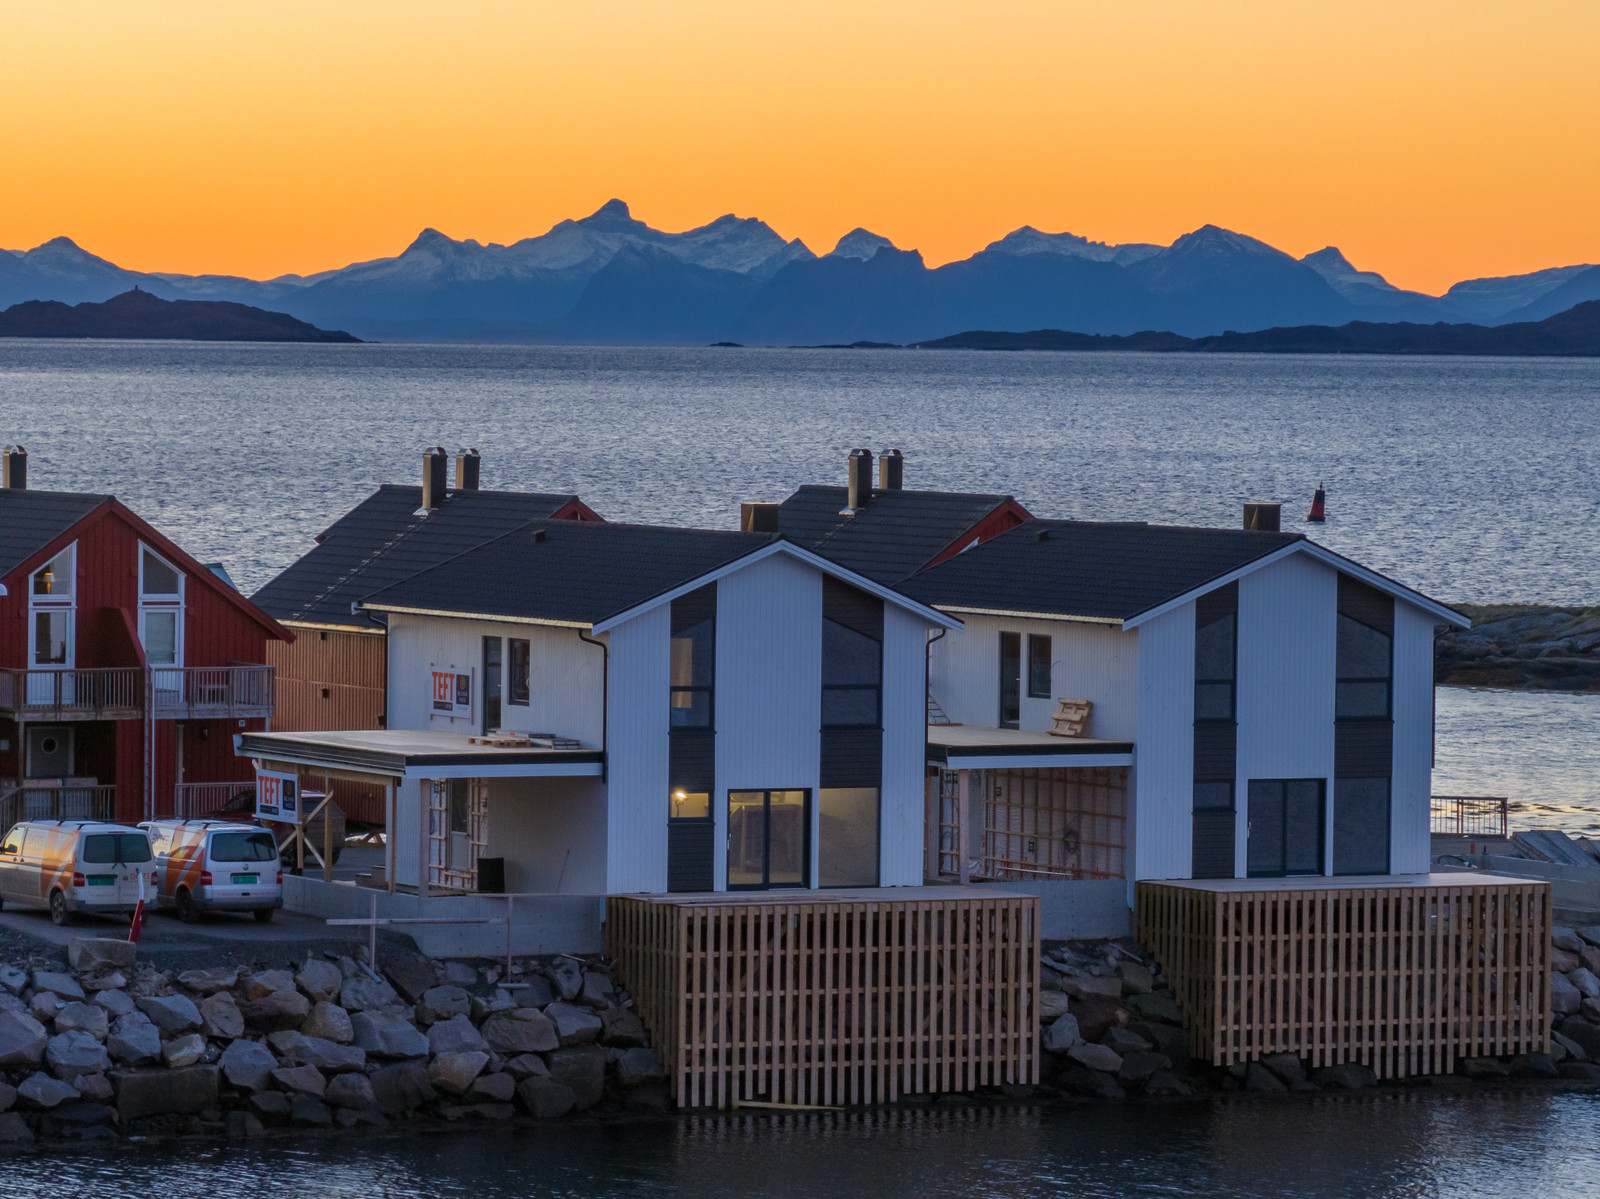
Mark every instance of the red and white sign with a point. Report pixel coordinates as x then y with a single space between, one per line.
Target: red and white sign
452 693
277 797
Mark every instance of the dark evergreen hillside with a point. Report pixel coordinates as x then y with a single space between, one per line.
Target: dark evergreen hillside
1573 333
138 314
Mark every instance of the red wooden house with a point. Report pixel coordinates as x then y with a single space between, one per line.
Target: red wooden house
126 666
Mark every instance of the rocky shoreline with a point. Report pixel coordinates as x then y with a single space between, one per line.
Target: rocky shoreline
103 1046
1527 647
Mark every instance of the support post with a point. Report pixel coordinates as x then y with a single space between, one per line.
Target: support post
327 837
372 935
423 832
389 815
963 864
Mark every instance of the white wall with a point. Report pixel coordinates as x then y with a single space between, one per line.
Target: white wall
1161 785
1287 639
637 752
1089 661
1411 784
564 688
900 843
769 688
551 832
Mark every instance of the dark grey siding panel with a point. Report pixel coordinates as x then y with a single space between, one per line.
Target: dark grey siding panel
689 856
698 605
852 608
1370 606
1363 749
691 759
1214 605
852 757
1215 750
1213 844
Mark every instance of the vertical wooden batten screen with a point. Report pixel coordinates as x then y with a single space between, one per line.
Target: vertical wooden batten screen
1404 978
833 1000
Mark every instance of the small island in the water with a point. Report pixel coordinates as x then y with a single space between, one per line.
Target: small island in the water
139 314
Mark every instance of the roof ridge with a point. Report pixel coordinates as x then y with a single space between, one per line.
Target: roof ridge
471 549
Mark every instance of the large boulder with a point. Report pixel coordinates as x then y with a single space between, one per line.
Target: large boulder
1051 1005
22 1040
410 974
73 1053
84 1017
1584 1035
319 979
1098 1015
493 1088
184 1051
455 1035
1062 1034
574 1025
172 1014
115 1003
143 1093
367 994
401 1088
1561 938
1081 986
265 982
14 1130
63 986
638 1065
298 1049
134 1040
1582 978
41 1091
247 1065
351 1091
307 1111
1565 999
206 982
1157 1005
453 1073
220 1017
1095 1057
304 1080
621 1028
277 1010
440 1003
598 990
545 1098
582 1070
566 976
12 980
388 1035
523 1030
526 1065
1351 1076
535 992
1137 1067
330 1022
90 954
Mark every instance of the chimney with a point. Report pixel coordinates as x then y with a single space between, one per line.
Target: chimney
435 465
891 470
1262 518
16 468
758 518
468 465
860 478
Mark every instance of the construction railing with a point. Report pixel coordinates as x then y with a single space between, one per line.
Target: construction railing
198 801
113 693
211 692
1470 816
57 803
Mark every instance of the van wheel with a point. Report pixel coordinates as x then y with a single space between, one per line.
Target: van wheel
187 912
58 909
263 915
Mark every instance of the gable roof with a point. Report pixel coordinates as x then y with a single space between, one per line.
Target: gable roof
1119 573
594 575
382 540
31 520
897 534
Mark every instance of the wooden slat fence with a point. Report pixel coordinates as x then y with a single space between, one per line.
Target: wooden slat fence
1402 979
832 1001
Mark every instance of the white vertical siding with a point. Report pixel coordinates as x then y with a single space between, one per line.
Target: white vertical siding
1412 783
409 797
1287 630
769 687
1161 825
551 832
904 749
636 753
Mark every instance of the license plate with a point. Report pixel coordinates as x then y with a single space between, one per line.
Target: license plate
102 880
247 878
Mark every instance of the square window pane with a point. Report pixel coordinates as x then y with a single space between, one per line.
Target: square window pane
850 706
1213 701
1212 797
691 709
689 805
1355 700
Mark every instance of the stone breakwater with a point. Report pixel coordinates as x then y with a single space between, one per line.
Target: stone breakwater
1522 646
106 1046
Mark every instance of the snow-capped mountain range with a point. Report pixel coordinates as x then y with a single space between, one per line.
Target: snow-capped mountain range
608 278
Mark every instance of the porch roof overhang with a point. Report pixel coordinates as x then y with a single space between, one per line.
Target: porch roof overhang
416 754
974 747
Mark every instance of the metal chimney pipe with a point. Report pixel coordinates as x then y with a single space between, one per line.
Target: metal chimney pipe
435 469
1262 518
860 479
468 467
15 468
891 470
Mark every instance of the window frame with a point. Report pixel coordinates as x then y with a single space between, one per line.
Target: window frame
162 602
876 688
55 603
1231 681
1035 640
1339 680
709 690
515 686
1002 719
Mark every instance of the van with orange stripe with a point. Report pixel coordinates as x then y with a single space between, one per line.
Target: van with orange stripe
74 866
215 865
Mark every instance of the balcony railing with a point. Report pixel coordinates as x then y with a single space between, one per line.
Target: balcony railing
1470 816
120 693
57 803
198 801
108 694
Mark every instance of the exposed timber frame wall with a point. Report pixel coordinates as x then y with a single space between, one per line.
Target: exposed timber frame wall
1404 979
842 998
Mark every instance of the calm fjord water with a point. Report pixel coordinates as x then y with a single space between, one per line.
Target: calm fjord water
1472 479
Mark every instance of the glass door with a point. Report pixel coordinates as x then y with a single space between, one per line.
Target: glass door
769 839
492 666
1286 825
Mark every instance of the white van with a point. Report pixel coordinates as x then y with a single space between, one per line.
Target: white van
72 866
215 865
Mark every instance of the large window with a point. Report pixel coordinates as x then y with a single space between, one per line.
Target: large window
1365 664
160 612
847 846
1010 680
50 609
1361 826
519 684
693 668
1215 669
1038 666
852 677
1286 825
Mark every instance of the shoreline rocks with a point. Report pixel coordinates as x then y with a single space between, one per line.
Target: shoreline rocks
1527 647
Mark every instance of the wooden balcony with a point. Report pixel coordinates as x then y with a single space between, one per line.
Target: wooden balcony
211 692
108 694
33 801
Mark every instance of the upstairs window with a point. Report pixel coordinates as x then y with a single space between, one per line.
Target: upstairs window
160 610
1038 666
1010 680
693 667
158 579
51 609
852 673
1215 668
54 580
1365 666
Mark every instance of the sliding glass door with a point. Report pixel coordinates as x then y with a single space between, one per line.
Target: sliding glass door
1286 827
769 842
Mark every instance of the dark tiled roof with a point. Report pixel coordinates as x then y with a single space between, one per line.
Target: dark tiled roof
1088 568
894 536
382 541
30 520
565 570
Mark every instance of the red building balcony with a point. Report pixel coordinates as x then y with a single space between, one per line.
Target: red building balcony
126 692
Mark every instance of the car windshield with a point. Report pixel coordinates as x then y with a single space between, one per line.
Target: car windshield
106 848
243 847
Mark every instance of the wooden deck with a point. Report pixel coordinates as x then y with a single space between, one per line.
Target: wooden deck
1401 974
833 998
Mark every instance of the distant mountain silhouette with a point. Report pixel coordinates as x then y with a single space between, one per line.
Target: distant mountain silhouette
609 278
1573 333
138 314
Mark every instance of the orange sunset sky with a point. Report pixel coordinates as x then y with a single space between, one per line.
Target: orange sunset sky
1431 141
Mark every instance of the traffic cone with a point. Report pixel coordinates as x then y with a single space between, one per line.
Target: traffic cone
1318 514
